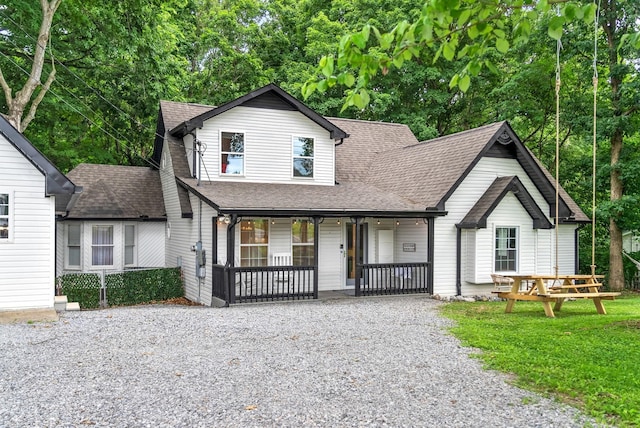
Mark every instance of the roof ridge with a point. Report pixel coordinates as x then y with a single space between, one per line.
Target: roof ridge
466 131
375 122
189 103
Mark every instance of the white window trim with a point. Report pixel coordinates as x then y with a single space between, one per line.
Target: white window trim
68 266
124 245
493 245
113 246
293 157
306 244
241 245
11 216
220 153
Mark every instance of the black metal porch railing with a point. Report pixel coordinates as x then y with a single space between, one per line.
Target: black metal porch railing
263 283
395 278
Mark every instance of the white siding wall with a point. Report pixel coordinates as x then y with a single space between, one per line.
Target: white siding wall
149 249
150 245
462 200
268 145
27 262
181 233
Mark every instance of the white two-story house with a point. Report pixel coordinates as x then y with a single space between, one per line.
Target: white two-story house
266 199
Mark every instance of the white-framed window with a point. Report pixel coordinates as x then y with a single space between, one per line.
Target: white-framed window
303 148
102 245
6 232
254 242
129 245
232 153
506 249
302 249
74 239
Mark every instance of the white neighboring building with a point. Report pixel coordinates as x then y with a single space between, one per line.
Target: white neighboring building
117 223
30 188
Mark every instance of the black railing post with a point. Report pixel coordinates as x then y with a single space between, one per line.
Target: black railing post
316 246
228 285
356 256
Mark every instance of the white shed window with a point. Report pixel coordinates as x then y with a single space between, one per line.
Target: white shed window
232 153
506 249
4 216
303 157
102 246
129 244
73 245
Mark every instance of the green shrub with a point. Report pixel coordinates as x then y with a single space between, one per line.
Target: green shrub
83 288
123 288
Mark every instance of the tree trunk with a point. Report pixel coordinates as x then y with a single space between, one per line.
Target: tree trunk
616 268
17 105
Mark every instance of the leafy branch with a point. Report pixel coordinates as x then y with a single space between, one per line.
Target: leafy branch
450 29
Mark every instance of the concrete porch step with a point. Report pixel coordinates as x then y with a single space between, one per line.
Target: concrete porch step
61 304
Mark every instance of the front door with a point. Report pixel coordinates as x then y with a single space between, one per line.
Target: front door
351 245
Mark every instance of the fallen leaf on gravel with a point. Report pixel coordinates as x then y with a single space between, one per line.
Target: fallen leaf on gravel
251 407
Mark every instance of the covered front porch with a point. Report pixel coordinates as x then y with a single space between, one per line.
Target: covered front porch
292 256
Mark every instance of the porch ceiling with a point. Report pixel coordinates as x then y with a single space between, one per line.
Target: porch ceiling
346 198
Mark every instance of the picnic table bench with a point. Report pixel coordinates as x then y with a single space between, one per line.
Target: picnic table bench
562 287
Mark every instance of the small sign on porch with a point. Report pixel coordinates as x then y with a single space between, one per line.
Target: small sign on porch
409 247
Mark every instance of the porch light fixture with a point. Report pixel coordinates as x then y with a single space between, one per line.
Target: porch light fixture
338 221
226 219
378 221
273 221
397 222
416 222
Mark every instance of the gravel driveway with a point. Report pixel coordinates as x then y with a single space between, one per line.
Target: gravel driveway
334 363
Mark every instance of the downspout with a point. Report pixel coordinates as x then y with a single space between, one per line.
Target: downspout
316 241
576 248
458 261
356 257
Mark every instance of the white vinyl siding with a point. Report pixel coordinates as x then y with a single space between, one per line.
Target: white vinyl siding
267 146
27 259
509 212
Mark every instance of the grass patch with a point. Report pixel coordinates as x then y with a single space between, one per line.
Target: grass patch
587 360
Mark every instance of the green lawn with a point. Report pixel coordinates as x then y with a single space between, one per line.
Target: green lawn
588 360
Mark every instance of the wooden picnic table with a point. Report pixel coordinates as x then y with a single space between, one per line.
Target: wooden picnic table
536 288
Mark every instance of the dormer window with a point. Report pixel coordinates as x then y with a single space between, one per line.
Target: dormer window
232 153
303 157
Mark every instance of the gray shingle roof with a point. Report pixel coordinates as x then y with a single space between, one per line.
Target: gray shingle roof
367 140
174 113
345 197
478 214
425 172
117 192
384 159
